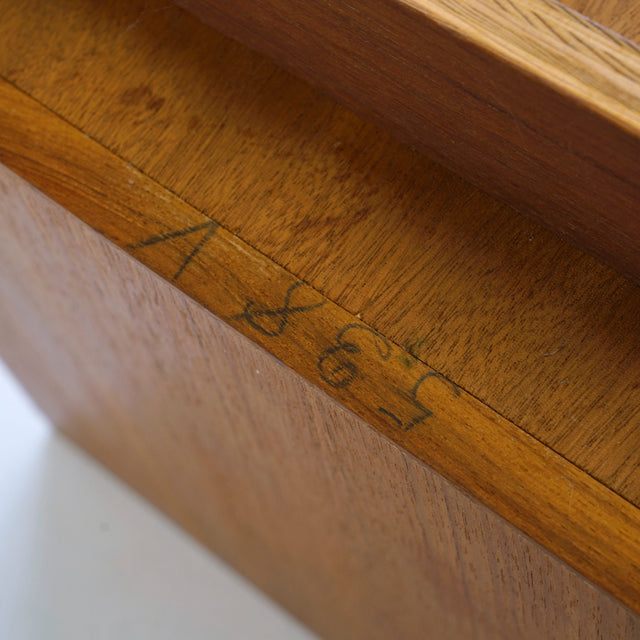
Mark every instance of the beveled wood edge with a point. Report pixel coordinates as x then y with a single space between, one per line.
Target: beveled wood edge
558 45
527 99
571 514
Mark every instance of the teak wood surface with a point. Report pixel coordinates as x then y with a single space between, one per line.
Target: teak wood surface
528 99
500 356
618 15
353 534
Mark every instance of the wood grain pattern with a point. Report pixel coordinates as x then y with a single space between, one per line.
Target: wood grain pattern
421 410
352 533
531 327
618 15
536 331
526 98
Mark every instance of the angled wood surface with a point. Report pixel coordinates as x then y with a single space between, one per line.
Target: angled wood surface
527 98
156 130
544 495
618 15
530 326
350 532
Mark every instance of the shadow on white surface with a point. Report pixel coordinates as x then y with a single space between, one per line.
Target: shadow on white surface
82 556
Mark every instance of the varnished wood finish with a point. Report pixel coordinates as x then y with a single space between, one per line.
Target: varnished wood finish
429 415
620 16
526 98
293 220
352 533
533 328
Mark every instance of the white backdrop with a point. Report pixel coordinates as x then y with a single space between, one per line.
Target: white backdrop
84 558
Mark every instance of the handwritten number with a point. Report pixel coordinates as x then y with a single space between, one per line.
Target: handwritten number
424 412
338 369
391 415
334 365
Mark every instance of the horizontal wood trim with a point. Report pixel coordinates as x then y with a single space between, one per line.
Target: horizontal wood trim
571 514
526 98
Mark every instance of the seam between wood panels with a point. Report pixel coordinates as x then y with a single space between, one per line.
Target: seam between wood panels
429 416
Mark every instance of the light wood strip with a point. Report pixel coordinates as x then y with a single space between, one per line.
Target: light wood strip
558 45
584 523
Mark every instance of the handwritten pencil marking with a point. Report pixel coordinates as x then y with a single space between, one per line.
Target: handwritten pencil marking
273 322
339 371
424 412
210 226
